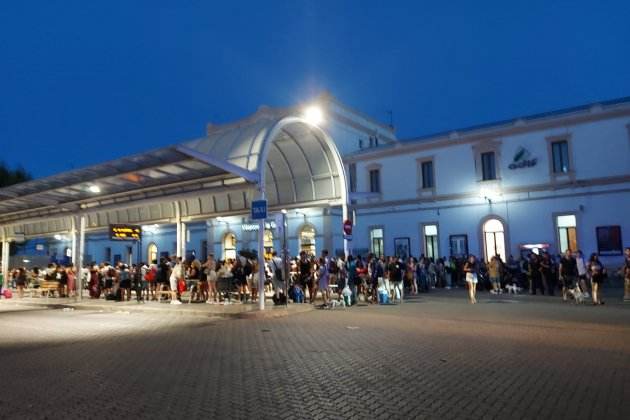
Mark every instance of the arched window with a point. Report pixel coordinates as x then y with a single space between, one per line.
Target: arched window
229 246
494 239
152 253
307 240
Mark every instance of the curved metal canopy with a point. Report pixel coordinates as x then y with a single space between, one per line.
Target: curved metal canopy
297 163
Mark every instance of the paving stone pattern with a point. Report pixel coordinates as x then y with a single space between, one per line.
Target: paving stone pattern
434 357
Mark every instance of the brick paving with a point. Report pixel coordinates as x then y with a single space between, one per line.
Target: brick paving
434 357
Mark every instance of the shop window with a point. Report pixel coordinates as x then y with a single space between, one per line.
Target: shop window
494 239
560 156
488 167
307 240
229 246
376 241
375 180
458 245
609 240
431 245
567 233
427 174
152 253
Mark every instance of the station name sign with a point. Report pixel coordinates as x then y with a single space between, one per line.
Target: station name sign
125 232
250 227
522 159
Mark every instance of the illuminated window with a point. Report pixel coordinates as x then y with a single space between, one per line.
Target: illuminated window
431 246
307 240
376 241
152 253
229 246
494 238
567 233
268 239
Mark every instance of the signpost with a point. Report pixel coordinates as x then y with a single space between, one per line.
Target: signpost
125 232
259 209
347 230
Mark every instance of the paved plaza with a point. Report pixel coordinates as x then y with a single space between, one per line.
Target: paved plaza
434 357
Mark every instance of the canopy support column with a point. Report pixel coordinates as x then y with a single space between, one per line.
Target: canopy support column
261 254
5 259
179 235
78 254
347 249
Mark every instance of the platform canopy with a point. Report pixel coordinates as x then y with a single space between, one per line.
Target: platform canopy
219 174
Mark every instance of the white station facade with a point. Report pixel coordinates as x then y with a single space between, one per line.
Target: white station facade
550 181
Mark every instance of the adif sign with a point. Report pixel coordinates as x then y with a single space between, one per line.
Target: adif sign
522 159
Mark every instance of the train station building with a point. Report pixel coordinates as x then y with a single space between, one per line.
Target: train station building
550 181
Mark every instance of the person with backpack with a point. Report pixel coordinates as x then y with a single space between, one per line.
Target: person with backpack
351 275
277 281
375 271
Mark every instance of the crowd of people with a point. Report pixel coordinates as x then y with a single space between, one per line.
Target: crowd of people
352 279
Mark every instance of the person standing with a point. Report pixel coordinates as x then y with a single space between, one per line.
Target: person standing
568 272
597 272
535 275
471 270
72 279
494 272
546 273
582 272
276 277
176 273
210 270
351 270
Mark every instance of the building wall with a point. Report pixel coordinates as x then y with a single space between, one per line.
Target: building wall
597 190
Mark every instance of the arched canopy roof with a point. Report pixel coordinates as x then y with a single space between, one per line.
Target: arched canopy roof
297 163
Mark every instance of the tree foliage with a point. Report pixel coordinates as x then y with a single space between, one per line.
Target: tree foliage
10 176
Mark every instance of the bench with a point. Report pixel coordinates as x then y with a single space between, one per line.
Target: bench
45 287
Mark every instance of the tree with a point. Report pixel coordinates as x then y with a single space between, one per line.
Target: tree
10 176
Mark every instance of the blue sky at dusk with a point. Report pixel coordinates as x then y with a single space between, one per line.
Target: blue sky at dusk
82 82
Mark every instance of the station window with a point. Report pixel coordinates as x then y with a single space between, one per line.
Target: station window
375 180
488 167
609 240
307 240
431 245
229 246
427 174
152 253
560 156
352 175
494 239
268 238
376 241
108 254
567 233
459 245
